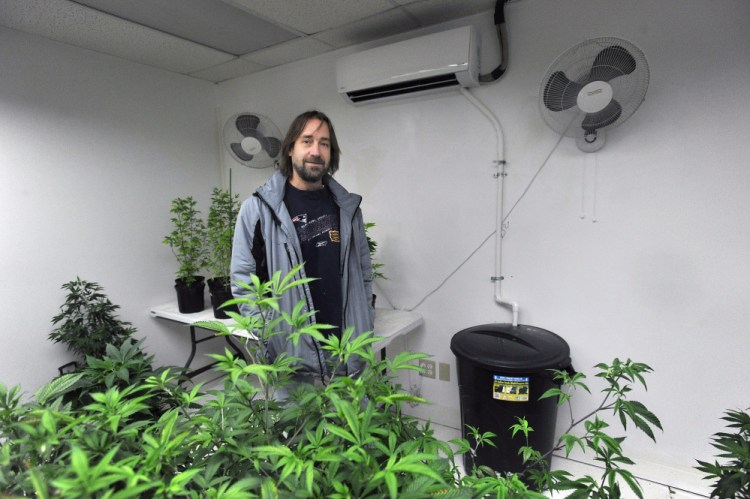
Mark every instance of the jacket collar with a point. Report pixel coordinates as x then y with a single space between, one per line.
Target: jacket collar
272 192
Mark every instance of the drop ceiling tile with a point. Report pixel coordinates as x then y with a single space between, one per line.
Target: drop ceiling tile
372 28
215 24
313 16
437 11
290 51
228 70
74 24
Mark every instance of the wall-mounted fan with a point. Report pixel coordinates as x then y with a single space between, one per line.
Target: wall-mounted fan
252 139
593 87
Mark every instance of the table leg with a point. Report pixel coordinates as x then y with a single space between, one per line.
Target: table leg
194 342
239 352
192 349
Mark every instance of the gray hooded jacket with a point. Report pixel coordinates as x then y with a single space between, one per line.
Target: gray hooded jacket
265 241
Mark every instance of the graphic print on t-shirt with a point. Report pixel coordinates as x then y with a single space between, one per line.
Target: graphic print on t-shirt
320 231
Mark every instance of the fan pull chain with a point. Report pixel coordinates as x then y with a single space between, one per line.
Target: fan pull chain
596 186
582 216
590 172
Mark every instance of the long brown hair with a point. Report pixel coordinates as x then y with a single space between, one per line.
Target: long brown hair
295 130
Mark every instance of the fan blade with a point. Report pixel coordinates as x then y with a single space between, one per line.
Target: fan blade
262 139
272 145
607 116
240 152
246 124
560 93
612 62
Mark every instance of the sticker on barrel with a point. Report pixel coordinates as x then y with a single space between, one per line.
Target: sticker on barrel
510 388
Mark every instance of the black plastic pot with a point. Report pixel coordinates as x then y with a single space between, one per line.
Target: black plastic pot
220 293
190 297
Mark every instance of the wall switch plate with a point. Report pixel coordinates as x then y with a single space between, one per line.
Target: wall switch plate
429 368
444 371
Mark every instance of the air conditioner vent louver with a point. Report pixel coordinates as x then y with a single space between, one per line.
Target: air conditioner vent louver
403 88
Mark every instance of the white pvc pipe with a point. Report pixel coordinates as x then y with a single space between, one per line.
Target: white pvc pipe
500 205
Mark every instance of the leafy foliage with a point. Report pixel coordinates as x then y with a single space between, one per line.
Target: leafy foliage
372 244
119 428
87 320
187 239
141 433
220 231
596 438
733 476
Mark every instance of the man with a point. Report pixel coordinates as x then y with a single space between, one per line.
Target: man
301 214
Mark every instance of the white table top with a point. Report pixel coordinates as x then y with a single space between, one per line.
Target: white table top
389 323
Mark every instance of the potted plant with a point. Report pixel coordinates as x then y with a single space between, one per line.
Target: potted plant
219 237
87 321
188 243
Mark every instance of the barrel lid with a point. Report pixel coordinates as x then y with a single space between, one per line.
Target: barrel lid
515 349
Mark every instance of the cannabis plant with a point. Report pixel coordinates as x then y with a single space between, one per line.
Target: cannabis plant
347 438
187 239
87 321
597 437
372 245
733 474
220 231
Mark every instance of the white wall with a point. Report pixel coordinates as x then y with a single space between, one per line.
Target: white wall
660 276
92 150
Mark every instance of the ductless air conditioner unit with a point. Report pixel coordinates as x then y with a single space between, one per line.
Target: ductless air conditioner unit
427 63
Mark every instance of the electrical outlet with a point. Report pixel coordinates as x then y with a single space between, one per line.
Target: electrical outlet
444 371
429 368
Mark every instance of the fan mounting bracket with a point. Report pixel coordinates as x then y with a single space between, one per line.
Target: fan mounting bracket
592 142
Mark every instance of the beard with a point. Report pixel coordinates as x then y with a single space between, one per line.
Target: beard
311 170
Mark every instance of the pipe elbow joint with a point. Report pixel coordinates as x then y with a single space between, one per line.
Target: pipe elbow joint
512 305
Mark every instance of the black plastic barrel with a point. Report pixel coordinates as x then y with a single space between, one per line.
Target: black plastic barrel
502 372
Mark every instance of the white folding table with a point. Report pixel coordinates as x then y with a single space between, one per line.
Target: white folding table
389 325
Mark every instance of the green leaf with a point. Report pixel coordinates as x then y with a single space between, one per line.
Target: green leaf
79 461
571 441
184 477
405 361
39 483
216 326
342 433
640 415
58 386
48 422
396 398
556 392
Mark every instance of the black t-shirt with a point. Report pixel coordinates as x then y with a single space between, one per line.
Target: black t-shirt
316 218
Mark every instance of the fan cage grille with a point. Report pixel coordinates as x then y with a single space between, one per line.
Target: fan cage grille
629 90
266 127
